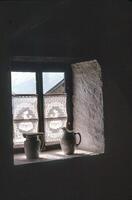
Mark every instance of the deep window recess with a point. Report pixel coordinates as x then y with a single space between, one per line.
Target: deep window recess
75 99
38 105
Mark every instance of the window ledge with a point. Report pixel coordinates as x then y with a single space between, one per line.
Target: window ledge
20 159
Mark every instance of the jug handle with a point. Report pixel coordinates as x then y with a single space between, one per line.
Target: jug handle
41 139
79 138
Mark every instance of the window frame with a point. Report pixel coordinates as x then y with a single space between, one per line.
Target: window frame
39 68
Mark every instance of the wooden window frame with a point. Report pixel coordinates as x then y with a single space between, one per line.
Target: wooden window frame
39 68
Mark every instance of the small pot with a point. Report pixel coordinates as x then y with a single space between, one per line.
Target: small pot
32 145
68 141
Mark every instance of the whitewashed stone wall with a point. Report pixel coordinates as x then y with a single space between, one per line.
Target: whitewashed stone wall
88 105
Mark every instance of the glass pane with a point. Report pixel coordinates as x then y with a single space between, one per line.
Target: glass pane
21 127
23 82
53 129
55 106
53 82
55 116
24 107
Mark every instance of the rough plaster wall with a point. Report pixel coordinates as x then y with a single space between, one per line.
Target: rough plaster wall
88 105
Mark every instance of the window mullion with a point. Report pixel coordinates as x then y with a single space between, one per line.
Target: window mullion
39 87
69 92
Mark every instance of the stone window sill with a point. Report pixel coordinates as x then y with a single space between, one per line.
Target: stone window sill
20 159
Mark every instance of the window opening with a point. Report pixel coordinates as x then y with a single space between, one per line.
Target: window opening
38 105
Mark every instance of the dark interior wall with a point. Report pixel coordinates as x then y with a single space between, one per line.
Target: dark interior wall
117 94
104 34
95 29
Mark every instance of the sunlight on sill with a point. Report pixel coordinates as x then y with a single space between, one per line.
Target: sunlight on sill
20 159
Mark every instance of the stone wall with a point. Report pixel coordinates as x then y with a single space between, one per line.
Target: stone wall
88 105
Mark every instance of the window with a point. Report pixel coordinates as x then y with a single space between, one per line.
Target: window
46 100
38 105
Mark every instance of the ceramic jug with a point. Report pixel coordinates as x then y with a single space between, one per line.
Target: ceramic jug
32 145
68 141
